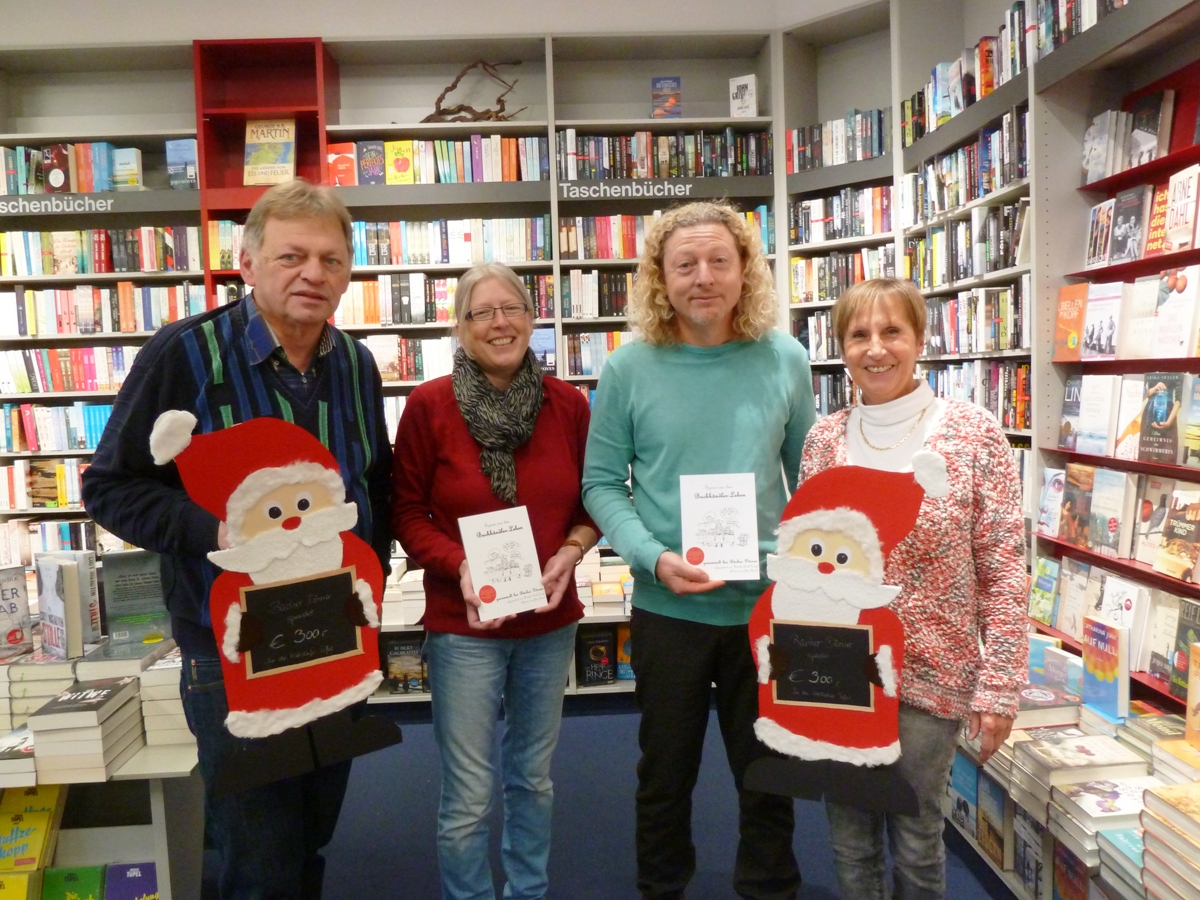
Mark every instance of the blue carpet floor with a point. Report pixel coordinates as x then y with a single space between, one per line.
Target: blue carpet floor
384 845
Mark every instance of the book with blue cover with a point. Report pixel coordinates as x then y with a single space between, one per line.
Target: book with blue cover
131 881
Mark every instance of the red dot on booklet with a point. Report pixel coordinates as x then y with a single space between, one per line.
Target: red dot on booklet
15 636
694 555
1113 526
487 593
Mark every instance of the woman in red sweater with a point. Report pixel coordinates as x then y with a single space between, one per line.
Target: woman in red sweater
496 433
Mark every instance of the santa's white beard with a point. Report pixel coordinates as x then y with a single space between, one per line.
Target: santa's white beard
802 592
315 546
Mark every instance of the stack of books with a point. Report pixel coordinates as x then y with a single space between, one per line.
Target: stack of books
1079 811
404 599
30 818
16 759
121 660
1141 733
1041 766
88 731
28 682
1175 761
1121 862
162 707
1171 833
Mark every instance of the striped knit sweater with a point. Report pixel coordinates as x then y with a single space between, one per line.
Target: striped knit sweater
962 568
217 366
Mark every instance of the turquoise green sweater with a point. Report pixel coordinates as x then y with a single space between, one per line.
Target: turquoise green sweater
662 412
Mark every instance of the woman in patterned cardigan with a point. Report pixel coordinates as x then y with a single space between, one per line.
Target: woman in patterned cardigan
962 574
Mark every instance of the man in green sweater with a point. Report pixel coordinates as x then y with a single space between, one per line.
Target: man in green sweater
711 388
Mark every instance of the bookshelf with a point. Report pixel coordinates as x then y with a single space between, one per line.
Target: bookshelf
1128 54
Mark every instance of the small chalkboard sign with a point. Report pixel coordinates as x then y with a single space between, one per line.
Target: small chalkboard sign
304 622
825 664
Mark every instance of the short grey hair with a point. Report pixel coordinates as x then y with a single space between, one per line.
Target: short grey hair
297 199
481 272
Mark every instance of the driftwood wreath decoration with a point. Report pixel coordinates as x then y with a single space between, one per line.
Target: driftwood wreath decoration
464 113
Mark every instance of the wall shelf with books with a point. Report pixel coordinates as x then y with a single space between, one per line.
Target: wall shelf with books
1139 571
877 169
1002 276
363 197
1068 640
966 126
1122 38
847 243
1157 171
1167 471
1006 194
1138 268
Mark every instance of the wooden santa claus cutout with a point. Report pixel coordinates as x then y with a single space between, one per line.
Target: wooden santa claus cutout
828 650
295 612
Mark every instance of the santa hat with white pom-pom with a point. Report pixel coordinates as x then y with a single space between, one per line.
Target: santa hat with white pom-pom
877 509
227 471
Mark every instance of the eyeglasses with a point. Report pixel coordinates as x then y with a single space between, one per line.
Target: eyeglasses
486 313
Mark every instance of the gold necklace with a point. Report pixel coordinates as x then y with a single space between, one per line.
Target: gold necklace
907 435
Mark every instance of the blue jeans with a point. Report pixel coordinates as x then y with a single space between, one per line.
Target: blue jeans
468 677
268 839
926 752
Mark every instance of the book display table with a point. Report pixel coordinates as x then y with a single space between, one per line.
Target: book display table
174 835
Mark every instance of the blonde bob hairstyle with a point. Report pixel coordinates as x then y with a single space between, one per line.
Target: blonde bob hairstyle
651 312
296 199
481 272
865 294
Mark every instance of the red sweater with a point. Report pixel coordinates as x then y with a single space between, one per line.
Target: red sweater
437 478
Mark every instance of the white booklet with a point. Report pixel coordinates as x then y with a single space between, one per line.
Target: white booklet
503 562
720 525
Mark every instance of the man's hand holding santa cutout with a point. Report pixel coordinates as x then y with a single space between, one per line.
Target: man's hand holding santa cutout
279 495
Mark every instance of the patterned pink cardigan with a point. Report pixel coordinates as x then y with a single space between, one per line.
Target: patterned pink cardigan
962 569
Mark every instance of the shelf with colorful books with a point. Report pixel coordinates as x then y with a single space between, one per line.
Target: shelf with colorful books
1067 640
55 395
100 277
846 243
1139 571
969 123
362 197
1138 268
1156 171
1002 276
1167 471
1124 37
980 354
877 168
1006 194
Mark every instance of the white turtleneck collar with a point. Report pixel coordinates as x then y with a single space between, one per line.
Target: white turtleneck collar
886 423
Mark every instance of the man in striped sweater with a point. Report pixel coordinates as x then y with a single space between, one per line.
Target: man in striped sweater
271 354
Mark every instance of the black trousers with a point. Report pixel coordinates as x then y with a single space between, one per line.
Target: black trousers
676 662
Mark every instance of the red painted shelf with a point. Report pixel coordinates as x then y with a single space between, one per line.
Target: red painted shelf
1155 684
1066 639
1187 473
1130 567
1157 172
1134 366
1139 267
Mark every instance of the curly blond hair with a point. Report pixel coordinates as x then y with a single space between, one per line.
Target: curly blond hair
651 312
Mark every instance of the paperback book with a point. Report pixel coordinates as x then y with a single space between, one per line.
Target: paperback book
1099 400
1114 501
1077 505
1191 428
1187 632
270 151
1150 132
133 598
1154 499
1072 596
1129 417
1174 334
1106 667
1068 327
1131 207
1099 233
84 704
1068 429
1180 545
1161 423
1054 483
16 635
1105 804
1181 210
1043 590
1102 321
666 93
